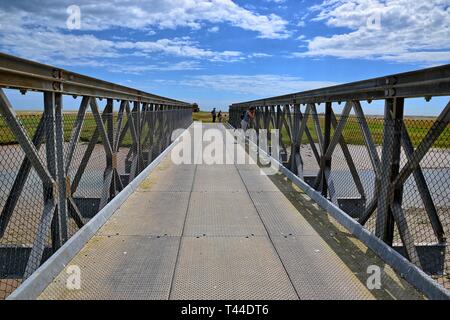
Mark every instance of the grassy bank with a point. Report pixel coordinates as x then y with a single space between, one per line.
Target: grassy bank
30 122
205 116
417 128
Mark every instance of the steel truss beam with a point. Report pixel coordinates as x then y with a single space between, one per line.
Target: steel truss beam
150 124
284 113
17 73
422 83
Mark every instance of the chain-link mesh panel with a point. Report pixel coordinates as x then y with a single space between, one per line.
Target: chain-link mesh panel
370 175
413 217
89 165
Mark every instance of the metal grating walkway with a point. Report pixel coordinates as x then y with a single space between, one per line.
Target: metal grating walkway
223 232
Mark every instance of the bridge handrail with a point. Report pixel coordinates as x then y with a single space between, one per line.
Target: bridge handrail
22 74
387 172
421 83
59 169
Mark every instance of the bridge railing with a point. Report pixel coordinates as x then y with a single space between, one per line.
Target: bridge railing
59 168
391 173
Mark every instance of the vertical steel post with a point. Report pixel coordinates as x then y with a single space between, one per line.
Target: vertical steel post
326 162
60 165
296 158
393 119
151 133
266 119
111 161
50 151
137 124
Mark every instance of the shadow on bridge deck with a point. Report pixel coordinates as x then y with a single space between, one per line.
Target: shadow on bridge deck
224 232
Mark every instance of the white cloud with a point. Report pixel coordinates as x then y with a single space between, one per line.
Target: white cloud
37 30
45 46
181 47
260 55
253 84
411 31
53 47
136 14
214 29
140 69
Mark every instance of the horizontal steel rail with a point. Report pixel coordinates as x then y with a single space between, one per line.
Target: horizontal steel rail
47 195
393 176
423 83
17 73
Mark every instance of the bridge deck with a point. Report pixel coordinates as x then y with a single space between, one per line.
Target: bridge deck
223 232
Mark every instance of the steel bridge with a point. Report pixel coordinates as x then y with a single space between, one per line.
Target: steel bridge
94 204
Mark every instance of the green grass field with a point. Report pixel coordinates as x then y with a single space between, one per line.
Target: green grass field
205 116
30 121
417 128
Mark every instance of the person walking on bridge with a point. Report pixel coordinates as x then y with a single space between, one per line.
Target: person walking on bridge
213 114
248 116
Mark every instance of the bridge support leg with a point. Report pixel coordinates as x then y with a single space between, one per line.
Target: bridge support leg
390 199
393 115
326 162
60 170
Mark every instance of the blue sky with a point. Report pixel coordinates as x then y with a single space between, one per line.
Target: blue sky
215 52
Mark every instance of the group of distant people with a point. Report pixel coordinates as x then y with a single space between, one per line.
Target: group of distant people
215 115
246 117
